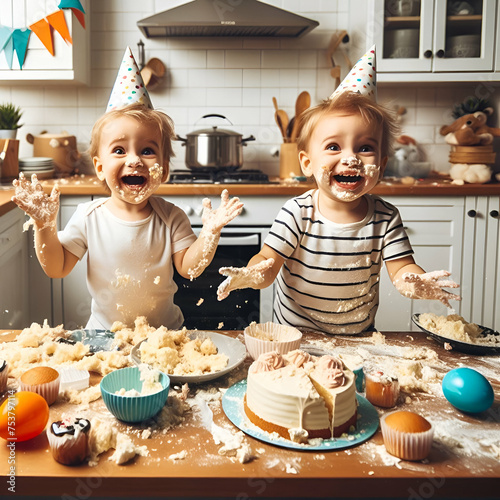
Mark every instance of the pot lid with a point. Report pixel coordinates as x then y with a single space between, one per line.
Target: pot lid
214 132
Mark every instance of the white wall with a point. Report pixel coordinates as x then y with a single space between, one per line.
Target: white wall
234 77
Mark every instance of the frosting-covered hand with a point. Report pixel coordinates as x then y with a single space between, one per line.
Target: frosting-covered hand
31 198
215 220
242 277
429 286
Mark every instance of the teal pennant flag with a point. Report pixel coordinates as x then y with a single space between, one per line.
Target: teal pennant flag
21 39
8 50
5 34
71 4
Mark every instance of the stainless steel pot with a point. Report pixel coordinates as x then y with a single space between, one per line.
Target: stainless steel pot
214 148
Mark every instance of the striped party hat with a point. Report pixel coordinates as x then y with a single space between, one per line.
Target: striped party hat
129 87
362 78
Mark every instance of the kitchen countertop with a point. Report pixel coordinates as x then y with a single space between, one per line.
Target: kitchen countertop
85 185
455 468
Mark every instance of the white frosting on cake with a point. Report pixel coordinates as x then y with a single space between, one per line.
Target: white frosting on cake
318 394
287 397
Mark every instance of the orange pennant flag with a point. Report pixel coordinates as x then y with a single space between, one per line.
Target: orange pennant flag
80 16
58 22
44 33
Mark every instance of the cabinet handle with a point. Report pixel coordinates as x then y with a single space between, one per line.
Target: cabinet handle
428 54
472 213
5 239
440 53
494 214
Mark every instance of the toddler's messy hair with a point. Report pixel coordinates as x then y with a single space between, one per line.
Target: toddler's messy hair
142 114
350 102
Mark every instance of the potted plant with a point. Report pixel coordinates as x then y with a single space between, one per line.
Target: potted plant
9 120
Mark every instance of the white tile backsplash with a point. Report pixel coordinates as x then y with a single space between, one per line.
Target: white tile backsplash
235 77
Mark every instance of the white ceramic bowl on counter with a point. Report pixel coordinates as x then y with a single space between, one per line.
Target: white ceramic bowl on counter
267 337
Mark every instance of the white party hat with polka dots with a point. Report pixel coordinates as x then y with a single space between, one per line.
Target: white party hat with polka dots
362 78
129 87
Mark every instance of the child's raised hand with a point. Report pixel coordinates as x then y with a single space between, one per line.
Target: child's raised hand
31 198
242 277
215 220
430 286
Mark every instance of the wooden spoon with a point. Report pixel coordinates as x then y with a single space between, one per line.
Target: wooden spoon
301 104
282 120
275 102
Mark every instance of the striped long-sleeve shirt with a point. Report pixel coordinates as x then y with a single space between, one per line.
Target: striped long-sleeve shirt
330 279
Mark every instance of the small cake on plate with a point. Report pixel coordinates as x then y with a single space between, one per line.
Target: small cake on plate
43 380
68 440
381 389
407 435
4 374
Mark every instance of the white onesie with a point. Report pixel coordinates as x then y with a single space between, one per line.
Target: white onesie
129 263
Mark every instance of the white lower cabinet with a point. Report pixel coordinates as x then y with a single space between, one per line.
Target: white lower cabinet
71 298
458 234
481 261
14 301
435 228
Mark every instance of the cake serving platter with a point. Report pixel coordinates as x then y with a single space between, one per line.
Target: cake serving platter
366 427
97 340
232 348
460 346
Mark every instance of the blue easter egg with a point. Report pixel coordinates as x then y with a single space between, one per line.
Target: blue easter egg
468 390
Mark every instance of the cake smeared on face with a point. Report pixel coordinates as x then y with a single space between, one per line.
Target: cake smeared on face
353 174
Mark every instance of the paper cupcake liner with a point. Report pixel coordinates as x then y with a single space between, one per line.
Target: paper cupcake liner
407 445
71 378
380 392
4 377
284 338
68 450
49 391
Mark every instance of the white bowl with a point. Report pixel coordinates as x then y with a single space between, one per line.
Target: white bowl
402 43
463 46
283 338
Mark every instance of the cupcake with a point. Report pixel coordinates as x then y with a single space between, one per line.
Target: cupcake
4 374
407 435
68 440
381 389
43 380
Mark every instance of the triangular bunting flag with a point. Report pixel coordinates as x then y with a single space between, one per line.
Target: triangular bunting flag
362 78
43 31
71 4
80 16
129 87
21 39
5 34
58 22
8 50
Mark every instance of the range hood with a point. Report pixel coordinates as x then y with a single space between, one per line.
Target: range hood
222 18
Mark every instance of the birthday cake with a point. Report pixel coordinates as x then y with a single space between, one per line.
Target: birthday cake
300 396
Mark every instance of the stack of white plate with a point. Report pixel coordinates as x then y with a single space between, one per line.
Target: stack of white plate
41 166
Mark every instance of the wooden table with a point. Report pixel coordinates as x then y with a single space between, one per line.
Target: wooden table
366 470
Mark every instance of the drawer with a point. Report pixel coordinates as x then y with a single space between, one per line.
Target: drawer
11 230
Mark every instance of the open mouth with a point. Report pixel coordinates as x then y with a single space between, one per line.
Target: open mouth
347 179
134 180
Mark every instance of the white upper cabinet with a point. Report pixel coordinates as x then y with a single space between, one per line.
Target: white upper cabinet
70 62
434 40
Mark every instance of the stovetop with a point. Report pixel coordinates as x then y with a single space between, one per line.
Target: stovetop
218 177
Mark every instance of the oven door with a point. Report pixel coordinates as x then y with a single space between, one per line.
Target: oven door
198 298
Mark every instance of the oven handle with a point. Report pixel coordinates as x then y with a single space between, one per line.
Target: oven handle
230 240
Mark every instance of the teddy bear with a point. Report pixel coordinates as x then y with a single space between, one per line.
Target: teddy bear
470 130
